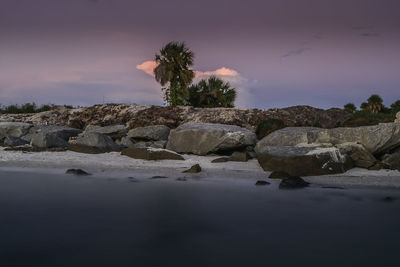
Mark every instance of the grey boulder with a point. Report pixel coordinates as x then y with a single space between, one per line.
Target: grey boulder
93 143
303 161
392 161
149 133
15 129
53 136
113 131
12 141
204 138
376 139
357 152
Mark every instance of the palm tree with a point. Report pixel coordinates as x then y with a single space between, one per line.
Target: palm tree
211 93
375 103
174 61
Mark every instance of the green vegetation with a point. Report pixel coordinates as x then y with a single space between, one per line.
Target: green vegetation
350 107
268 126
27 108
372 112
174 61
212 93
174 74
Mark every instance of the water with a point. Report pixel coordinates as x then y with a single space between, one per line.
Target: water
61 220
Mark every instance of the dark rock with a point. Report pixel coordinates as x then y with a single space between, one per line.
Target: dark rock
221 159
181 179
159 177
262 183
14 141
116 132
148 153
239 156
293 182
150 133
388 199
304 161
357 152
278 175
205 138
392 161
194 169
77 172
93 143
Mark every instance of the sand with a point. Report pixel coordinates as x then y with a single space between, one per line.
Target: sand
115 165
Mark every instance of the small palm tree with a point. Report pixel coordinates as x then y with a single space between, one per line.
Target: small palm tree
375 103
174 61
211 93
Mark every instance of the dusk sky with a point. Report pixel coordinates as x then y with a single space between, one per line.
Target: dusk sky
277 53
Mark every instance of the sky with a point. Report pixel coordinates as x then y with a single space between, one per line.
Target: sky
276 53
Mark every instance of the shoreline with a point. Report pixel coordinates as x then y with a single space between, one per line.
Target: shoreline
117 166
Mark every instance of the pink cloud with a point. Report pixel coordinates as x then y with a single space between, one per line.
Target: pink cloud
148 67
224 71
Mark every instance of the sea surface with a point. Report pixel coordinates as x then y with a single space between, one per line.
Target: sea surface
65 220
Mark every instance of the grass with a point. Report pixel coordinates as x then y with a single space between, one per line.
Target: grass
367 118
27 108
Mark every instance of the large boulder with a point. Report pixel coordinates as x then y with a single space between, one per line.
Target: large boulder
13 141
149 133
376 139
306 161
116 132
397 120
357 152
93 143
149 153
15 129
392 161
204 138
53 136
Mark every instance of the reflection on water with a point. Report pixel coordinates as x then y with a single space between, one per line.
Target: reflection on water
59 220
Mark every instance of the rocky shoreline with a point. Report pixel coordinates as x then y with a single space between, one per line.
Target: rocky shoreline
288 152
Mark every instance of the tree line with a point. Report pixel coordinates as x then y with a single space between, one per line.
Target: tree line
374 105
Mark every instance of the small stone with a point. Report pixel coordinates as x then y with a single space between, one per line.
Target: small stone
262 183
293 182
239 156
77 172
194 169
159 177
219 160
389 199
181 179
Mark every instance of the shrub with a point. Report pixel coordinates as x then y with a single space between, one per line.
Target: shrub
265 127
350 107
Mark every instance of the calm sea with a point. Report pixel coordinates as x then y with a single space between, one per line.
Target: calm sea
61 220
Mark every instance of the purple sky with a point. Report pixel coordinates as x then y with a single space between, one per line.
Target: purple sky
277 53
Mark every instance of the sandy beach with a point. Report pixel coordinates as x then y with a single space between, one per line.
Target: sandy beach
115 165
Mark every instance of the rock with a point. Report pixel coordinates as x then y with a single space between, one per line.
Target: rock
126 142
220 160
150 133
258 183
204 138
149 153
278 175
194 169
159 177
376 167
53 136
77 172
294 182
360 156
397 120
14 141
14 129
305 161
376 139
114 131
392 161
93 143
239 156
